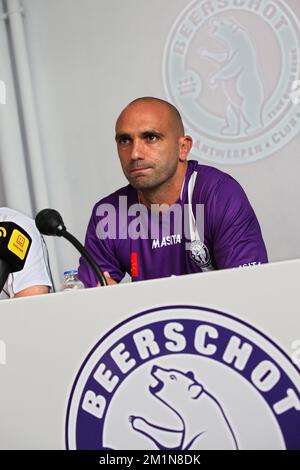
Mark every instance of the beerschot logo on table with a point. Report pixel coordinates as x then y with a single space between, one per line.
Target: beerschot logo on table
185 378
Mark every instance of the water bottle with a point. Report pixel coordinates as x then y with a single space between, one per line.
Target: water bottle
71 281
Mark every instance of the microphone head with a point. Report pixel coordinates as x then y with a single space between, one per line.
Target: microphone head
50 222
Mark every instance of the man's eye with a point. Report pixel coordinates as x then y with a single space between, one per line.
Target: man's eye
123 140
152 137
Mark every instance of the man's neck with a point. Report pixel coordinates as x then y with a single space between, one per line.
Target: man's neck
168 193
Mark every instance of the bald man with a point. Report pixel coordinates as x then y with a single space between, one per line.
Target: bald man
175 216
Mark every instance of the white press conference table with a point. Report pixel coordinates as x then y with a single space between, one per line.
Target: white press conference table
88 369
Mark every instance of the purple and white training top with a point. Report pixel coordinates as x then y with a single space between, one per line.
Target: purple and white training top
211 226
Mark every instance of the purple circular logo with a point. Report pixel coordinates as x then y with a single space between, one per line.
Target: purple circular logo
185 378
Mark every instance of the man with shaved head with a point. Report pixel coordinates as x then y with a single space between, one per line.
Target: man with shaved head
153 149
215 226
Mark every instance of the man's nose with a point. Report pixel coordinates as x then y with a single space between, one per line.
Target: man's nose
137 151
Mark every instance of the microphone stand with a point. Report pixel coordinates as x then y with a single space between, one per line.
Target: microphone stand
76 243
50 222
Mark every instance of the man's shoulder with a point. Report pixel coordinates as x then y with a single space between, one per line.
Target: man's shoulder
113 199
7 214
211 174
10 215
210 178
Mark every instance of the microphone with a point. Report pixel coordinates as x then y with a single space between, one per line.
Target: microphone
14 248
50 222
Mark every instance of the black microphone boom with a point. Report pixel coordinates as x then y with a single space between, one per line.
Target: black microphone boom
50 222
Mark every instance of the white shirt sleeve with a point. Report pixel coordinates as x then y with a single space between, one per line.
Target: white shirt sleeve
36 270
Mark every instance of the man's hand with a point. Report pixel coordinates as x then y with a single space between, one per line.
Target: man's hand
109 280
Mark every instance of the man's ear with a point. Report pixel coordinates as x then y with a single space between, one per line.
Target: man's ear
195 391
185 145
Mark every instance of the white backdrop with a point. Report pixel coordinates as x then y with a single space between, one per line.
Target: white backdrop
88 59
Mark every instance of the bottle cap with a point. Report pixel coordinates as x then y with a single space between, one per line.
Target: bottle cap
73 271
